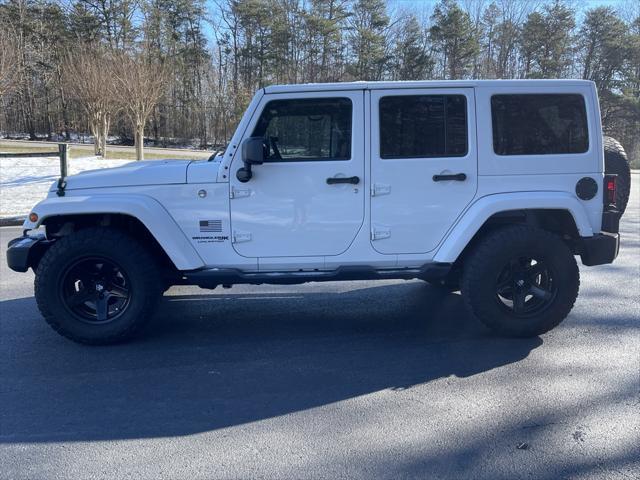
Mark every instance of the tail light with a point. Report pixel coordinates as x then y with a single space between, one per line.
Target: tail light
610 188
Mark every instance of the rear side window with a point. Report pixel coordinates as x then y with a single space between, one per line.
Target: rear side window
539 124
306 129
423 126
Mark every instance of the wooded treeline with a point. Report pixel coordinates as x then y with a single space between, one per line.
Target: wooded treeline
209 57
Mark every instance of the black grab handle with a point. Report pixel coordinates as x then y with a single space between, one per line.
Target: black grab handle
458 177
351 180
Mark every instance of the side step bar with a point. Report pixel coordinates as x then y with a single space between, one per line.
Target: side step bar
212 277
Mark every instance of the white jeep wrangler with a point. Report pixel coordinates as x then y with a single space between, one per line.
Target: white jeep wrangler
488 187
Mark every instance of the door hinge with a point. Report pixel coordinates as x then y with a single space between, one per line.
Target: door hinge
378 233
378 189
239 237
239 192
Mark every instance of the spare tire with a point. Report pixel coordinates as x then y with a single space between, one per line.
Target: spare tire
616 162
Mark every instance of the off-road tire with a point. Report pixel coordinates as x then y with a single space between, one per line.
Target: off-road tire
484 265
140 267
616 162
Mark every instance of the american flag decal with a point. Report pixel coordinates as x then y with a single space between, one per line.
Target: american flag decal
211 226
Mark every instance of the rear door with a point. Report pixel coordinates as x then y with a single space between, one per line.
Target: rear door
423 165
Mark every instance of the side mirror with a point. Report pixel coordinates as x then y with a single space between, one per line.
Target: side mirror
252 154
253 151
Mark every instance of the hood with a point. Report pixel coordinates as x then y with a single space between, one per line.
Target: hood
154 172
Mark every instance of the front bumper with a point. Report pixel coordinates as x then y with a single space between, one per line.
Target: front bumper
600 249
25 252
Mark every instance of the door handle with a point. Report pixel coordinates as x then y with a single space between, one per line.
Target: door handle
458 177
351 180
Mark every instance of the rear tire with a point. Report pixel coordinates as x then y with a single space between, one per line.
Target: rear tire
520 281
97 286
616 162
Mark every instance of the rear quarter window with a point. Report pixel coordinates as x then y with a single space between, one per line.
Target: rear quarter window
539 124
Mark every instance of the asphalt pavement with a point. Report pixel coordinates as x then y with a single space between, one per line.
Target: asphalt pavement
363 380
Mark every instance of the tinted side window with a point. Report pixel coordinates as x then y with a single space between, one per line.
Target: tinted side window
422 126
306 129
539 124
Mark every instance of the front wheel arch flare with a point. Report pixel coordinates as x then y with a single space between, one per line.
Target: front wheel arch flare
65 224
147 210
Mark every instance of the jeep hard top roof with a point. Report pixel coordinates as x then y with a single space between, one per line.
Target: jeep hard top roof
321 87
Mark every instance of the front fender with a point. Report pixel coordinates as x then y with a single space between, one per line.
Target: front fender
146 209
479 212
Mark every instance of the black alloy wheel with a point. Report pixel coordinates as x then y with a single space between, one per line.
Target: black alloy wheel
95 290
525 287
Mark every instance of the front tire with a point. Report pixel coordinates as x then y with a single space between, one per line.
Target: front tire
97 286
520 281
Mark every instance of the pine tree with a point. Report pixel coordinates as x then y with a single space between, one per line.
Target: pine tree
602 41
491 25
174 38
255 18
116 20
412 61
546 41
453 35
324 24
83 24
369 22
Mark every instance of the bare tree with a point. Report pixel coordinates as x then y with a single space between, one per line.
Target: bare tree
138 85
87 76
9 62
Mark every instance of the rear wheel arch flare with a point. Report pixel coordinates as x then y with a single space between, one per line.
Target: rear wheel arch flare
558 221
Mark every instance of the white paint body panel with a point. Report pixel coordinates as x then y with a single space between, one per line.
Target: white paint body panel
413 210
296 221
132 174
288 209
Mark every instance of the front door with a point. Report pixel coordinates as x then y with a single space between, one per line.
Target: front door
307 198
423 165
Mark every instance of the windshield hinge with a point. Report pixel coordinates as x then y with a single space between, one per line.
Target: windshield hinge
239 192
239 237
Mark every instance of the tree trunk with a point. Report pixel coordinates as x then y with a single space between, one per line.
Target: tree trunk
47 109
106 122
139 141
95 131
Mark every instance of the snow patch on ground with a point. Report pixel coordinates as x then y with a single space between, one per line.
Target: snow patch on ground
26 181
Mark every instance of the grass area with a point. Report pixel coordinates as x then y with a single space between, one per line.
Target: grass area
125 153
